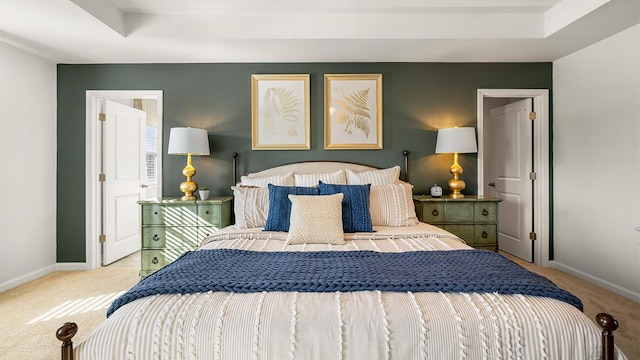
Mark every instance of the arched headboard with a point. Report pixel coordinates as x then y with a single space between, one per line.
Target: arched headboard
316 167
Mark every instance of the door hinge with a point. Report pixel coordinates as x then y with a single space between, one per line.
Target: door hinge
102 238
102 177
533 176
102 117
532 115
532 236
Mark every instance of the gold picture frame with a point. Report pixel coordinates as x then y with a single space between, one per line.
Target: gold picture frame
352 111
280 114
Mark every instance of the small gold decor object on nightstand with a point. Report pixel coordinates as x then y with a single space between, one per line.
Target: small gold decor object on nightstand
456 140
188 141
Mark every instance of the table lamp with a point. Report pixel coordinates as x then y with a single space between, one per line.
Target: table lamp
188 141
456 140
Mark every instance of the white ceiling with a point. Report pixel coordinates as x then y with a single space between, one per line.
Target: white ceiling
163 31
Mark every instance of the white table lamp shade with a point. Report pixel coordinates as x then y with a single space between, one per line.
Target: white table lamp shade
185 140
456 140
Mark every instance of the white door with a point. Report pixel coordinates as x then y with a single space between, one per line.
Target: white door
125 173
507 175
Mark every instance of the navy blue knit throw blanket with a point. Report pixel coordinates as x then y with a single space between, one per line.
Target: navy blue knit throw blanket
244 271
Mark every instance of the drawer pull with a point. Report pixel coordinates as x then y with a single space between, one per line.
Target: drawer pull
156 237
435 212
485 235
155 213
155 260
207 212
485 212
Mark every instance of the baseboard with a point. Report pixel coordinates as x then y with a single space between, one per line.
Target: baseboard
74 266
596 280
27 277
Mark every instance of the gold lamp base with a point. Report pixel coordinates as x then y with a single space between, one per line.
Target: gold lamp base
456 185
188 187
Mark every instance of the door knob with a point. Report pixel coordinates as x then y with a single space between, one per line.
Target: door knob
492 184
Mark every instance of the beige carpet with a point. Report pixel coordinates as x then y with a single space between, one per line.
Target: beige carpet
35 310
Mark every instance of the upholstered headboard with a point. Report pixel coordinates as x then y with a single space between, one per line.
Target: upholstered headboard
316 167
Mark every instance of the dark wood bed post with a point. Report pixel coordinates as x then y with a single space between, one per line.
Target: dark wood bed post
609 325
235 164
406 165
64 334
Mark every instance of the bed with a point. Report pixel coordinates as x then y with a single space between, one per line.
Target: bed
334 286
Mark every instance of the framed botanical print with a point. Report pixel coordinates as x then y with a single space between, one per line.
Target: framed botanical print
353 111
280 112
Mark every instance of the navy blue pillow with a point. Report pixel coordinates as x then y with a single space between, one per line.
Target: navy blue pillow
280 205
355 205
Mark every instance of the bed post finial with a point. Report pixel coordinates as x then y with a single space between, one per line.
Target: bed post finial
406 165
609 324
64 334
235 160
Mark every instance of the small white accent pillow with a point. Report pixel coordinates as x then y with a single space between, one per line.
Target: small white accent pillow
392 205
337 177
278 180
316 219
251 206
374 177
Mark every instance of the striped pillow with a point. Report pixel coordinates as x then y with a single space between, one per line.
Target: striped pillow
316 220
337 177
392 205
250 206
263 181
374 177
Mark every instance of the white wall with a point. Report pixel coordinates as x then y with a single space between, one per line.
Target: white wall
596 161
27 166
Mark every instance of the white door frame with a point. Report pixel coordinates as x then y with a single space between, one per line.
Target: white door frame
540 158
93 201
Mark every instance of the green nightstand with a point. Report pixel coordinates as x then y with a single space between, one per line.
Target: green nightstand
171 226
474 219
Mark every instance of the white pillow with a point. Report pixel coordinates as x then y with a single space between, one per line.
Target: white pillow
316 219
392 205
251 206
374 177
262 181
337 177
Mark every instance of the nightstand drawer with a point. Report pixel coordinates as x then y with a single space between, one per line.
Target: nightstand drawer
485 234
465 232
493 248
458 212
431 213
154 259
209 215
486 212
205 231
152 214
157 237
156 214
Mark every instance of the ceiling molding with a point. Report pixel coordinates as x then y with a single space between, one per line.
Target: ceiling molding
167 31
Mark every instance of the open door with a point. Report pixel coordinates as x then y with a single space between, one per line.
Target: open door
509 134
125 168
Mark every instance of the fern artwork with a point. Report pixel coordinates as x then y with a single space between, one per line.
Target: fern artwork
280 112
353 115
353 112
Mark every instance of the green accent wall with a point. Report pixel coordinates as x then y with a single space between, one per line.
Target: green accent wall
418 99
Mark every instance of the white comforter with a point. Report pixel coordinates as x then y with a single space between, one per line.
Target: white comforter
349 325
